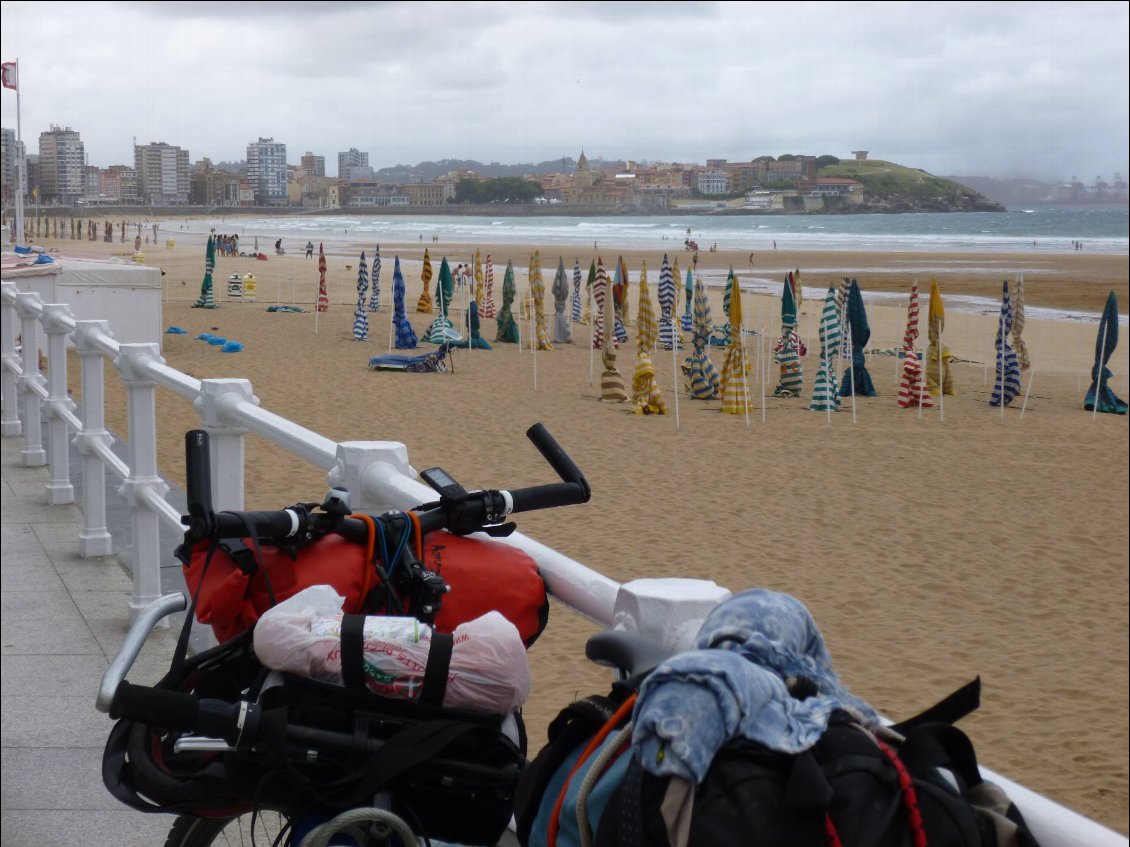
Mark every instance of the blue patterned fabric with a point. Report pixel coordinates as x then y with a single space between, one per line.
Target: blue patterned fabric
360 316
405 335
734 686
667 337
1105 343
1006 386
859 331
375 296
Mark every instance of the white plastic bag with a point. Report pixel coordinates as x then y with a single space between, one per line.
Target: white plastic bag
489 671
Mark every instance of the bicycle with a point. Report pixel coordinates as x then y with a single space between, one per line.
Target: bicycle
250 756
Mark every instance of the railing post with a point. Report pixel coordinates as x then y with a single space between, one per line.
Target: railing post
142 415
59 488
28 307
9 411
225 441
356 458
94 539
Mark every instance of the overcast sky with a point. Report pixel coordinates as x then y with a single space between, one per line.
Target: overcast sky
965 89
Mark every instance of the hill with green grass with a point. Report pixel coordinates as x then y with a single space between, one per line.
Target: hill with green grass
889 187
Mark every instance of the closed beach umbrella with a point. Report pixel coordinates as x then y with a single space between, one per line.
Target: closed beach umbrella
912 386
699 369
789 348
425 304
562 329
1018 327
442 329
625 299
488 297
727 295
600 293
375 295
323 294
474 339
207 298
794 282
576 290
1007 383
590 289
647 399
1105 344
735 393
405 335
825 393
537 292
937 354
666 305
360 316
688 291
480 290
860 334
611 380
507 327
619 300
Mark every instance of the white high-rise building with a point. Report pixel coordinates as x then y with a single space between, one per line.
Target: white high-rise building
353 164
163 177
62 156
266 169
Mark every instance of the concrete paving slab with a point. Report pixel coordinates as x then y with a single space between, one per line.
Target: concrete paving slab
57 828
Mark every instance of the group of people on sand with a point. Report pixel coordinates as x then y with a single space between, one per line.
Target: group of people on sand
226 245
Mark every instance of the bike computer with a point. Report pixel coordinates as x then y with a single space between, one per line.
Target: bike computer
442 482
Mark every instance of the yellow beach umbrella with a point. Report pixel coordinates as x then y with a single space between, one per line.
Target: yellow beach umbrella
735 393
646 397
425 304
937 354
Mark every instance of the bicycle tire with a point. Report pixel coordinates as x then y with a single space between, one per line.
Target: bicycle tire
192 831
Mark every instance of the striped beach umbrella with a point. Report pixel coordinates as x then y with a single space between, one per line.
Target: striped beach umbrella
611 380
699 369
1105 343
207 298
375 295
473 340
688 291
860 331
405 335
590 287
1018 327
533 269
727 295
576 291
646 396
600 293
537 293
562 328
735 391
360 316
912 386
425 304
625 299
825 393
937 354
442 329
507 327
789 349
619 300
666 305
480 289
1007 383
798 292
323 293
488 296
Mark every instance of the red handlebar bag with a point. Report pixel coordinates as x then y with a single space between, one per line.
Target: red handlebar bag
484 576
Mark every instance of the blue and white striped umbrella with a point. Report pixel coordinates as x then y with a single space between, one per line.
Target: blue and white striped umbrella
576 290
375 292
689 290
667 336
405 335
1007 384
360 316
702 376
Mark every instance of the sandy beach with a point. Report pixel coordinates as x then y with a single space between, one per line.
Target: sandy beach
929 550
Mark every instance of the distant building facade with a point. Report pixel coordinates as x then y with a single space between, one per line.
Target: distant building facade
118 183
62 157
7 163
313 165
713 182
353 165
266 170
213 187
163 177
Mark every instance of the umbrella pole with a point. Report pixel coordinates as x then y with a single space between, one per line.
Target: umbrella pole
851 353
533 347
765 375
592 336
674 375
741 364
1100 366
1083 347
391 323
1000 366
1024 405
942 363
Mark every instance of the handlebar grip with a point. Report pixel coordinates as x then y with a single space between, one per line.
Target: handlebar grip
281 523
198 472
549 496
558 459
166 709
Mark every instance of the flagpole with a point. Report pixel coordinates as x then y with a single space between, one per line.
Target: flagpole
21 179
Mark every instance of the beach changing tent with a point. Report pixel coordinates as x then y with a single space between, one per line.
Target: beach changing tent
1007 383
1107 340
825 391
912 386
859 332
507 328
405 335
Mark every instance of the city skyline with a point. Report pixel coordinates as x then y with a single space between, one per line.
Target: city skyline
1034 91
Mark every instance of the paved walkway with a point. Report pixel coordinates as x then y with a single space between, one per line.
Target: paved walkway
62 619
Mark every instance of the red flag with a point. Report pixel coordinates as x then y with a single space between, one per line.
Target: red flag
8 75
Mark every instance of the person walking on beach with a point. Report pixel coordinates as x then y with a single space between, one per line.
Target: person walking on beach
309 249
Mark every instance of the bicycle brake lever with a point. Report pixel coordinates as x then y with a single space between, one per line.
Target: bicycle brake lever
501 530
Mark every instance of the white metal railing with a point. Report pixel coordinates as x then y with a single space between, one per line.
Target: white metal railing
377 474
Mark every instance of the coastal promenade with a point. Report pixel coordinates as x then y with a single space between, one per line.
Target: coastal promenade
63 620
